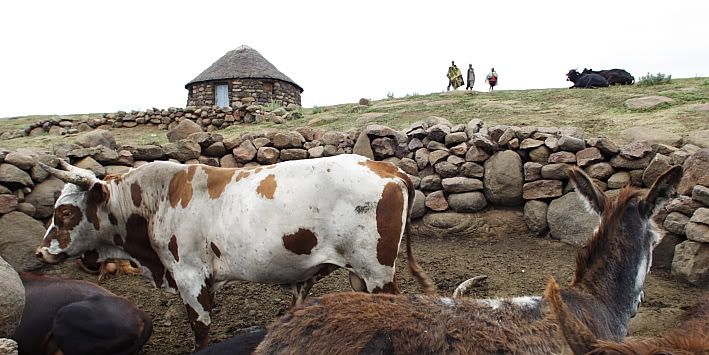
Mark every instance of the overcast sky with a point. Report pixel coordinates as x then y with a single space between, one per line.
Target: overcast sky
99 56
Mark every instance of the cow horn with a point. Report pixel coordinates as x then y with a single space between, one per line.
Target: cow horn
84 182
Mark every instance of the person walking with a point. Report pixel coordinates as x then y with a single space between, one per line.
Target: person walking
471 77
491 79
455 77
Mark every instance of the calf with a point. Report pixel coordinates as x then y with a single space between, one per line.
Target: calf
610 272
193 228
585 81
78 317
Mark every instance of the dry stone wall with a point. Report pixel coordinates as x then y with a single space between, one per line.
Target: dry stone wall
246 92
456 168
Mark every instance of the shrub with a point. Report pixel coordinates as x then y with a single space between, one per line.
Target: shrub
654 79
273 105
390 95
318 109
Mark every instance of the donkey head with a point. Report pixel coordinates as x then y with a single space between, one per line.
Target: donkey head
614 263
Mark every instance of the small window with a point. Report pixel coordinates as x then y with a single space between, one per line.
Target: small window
222 95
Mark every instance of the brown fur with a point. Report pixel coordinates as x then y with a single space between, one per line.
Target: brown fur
180 188
117 240
217 180
389 210
267 187
112 219
172 247
362 323
301 242
242 174
97 196
136 194
215 250
66 217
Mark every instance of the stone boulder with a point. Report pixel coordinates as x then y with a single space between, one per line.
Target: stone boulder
483 224
675 222
650 135
12 299
8 203
542 189
42 197
646 102
419 206
436 201
701 194
467 202
183 130
147 152
363 146
13 176
695 172
570 221
20 235
698 138
245 152
22 160
182 150
535 216
691 262
267 155
91 165
658 165
95 138
503 179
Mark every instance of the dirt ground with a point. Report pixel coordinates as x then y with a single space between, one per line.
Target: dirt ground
515 262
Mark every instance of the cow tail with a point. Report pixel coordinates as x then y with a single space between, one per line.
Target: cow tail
417 272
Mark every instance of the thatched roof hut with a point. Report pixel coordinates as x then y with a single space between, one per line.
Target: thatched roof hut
241 77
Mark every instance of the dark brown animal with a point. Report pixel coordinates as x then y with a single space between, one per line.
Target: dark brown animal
691 337
77 317
610 273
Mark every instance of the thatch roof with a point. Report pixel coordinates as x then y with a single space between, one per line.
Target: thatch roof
242 63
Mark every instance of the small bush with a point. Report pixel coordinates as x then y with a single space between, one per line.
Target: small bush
318 109
654 79
271 106
390 95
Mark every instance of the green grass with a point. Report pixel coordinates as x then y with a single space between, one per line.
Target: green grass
598 112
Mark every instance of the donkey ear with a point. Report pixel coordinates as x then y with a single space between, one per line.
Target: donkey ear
587 189
663 188
98 193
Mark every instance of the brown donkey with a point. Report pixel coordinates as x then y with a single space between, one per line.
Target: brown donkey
691 337
610 274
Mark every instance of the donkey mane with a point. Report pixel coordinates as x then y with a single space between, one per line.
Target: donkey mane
587 256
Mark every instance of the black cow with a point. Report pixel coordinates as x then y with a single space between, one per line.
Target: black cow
614 76
244 342
585 81
74 317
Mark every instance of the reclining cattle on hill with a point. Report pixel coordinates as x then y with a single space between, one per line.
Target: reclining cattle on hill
614 76
585 81
192 228
78 317
605 294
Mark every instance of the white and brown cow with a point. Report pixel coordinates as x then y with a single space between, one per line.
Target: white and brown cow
193 228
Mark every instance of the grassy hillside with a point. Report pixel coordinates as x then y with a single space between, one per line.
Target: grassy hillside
599 112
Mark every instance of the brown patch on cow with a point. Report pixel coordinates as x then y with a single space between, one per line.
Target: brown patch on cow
267 187
136 194
118 178
242 174
170 279
138 245
180 188
258 170
117 240
112 218
172 246
390 209
301 242
389 287
217 179
216 250
66 217
97 195
382 168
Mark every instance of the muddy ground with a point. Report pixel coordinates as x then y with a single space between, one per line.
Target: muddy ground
499 247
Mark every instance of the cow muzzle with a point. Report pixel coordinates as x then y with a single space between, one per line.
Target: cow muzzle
43 254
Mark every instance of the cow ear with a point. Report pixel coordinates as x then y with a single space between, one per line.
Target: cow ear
98 193
663 188
585 187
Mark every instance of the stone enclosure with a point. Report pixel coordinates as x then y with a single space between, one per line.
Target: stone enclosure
456 168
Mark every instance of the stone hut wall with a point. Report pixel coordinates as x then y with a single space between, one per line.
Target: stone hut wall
456 168
245 92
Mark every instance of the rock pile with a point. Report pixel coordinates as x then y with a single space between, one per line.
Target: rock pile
455 168
208 118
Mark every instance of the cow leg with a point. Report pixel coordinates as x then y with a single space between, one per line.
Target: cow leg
198 303
301 290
